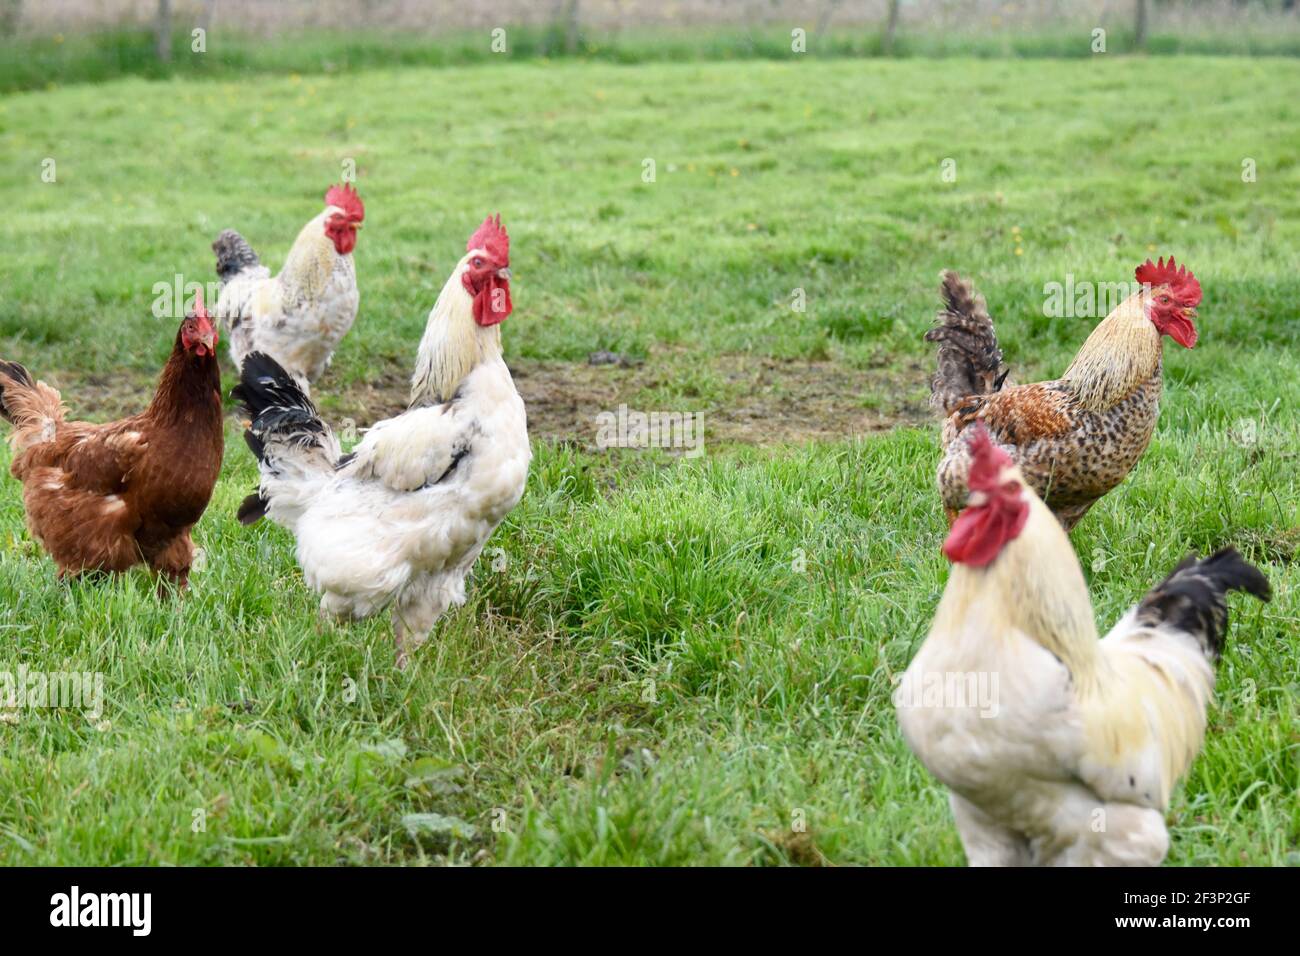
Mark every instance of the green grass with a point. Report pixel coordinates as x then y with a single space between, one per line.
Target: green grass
676 659
40 62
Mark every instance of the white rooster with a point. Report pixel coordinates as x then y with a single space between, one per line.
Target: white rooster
400 520
299 316
1070 748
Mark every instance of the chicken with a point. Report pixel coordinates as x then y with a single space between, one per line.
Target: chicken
300 316
107 497
400 520
1075 438
1058 748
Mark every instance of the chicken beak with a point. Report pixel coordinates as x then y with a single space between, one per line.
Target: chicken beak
206 335
503 274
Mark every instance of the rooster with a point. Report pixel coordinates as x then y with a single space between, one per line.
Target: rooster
107 497
1071 759
300 316
400 520
1075 438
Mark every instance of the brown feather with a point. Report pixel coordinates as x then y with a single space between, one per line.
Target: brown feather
969 359
106 497
1075 438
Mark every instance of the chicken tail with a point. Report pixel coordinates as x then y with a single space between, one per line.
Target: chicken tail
33 408
295 449
1194 598
234 255
969 361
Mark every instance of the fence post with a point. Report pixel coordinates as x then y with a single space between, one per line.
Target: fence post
571 20
11 11
891 28
163 30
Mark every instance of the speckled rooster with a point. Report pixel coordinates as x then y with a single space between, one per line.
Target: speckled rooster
1079 436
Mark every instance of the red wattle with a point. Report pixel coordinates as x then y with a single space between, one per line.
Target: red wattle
979 534
493 288
345 240
1182 331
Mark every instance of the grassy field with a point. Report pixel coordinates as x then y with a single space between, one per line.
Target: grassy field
669 661
42 61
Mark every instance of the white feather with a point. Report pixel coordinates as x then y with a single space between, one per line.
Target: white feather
398 524
1077 760
299 316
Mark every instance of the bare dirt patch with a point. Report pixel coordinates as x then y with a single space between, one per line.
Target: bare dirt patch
749 400
746 399
102 398
758 400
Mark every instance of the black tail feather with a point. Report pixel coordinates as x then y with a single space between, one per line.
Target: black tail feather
253 509
278 408
255 444
1194 598
276 404
264 384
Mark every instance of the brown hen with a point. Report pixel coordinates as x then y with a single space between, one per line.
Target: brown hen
107 497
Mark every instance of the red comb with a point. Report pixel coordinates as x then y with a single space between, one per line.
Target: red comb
987 462
491 238
346 198
1182 284
199 311
981 531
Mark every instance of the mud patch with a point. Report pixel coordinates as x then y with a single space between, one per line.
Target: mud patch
103 398
744 399
750 400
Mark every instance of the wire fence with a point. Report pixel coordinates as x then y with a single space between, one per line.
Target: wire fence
271 17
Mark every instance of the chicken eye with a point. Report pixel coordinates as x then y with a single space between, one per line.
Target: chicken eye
478 262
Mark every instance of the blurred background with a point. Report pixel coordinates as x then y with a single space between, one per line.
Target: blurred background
47 42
